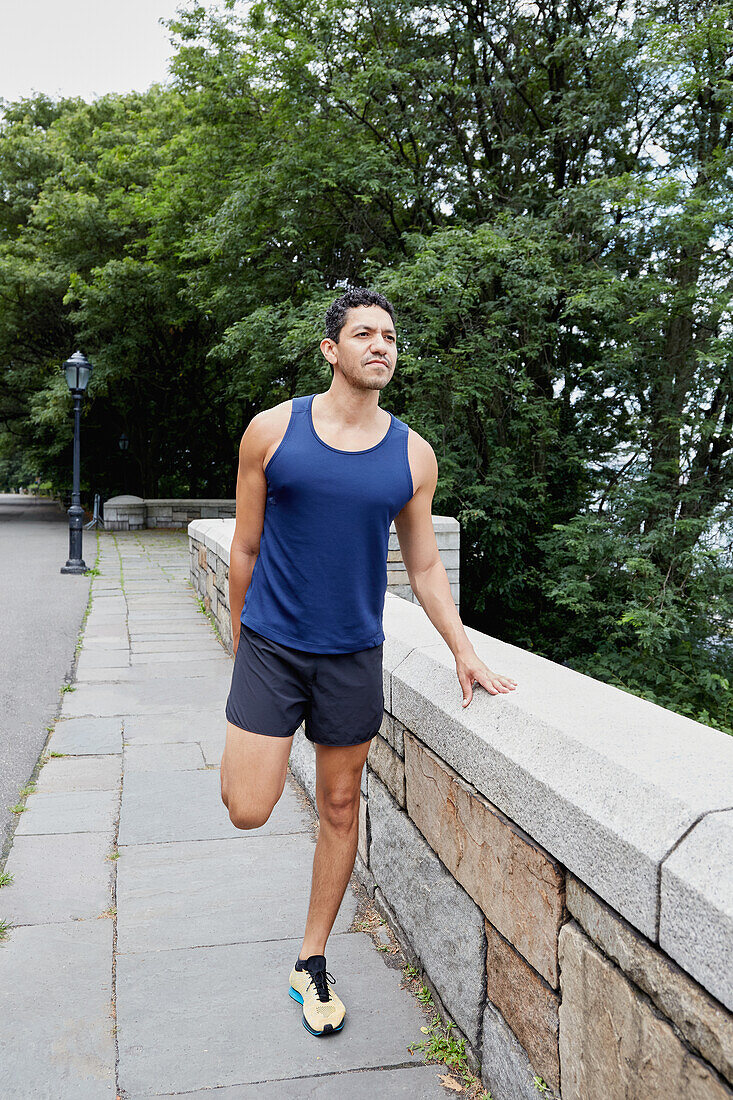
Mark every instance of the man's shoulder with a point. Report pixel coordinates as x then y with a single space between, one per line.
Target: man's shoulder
269 422
275 413
264 432
421 456
419 444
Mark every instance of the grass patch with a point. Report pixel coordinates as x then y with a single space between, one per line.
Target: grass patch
67 687
5 927
207 614
440 1045
6 878
58 754
543 1088
19 808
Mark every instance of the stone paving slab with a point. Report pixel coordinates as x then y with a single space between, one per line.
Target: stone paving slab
85 736
107 632
181 643
188 806
154 606
146 614
167 656
213 746
56 988
101 659
167 628
179 757
212 1016
414 1082
57 878
193 725
142 673
69 812
80 773
203 893
157 697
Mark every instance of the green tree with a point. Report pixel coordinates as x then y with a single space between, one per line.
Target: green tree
543 191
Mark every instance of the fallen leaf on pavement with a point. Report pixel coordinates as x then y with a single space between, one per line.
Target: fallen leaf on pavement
450 1082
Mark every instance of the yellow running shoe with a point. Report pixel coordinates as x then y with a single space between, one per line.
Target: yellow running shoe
323 1011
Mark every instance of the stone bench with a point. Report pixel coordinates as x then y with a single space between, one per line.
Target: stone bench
557 862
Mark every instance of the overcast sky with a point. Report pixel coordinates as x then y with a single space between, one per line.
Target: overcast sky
82 47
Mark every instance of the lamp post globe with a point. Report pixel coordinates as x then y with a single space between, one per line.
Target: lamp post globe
77 370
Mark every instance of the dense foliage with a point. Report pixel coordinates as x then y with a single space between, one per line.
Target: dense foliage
543 190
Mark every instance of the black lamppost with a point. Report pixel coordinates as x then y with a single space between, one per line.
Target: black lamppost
77 371
124 444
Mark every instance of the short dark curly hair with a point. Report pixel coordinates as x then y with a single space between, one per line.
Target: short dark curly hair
355 296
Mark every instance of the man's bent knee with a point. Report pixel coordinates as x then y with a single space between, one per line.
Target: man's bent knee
253 771
249 817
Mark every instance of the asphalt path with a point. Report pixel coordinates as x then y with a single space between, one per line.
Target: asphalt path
41 611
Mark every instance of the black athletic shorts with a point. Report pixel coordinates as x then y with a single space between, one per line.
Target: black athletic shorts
274 687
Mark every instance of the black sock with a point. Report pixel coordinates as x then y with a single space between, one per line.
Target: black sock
300 964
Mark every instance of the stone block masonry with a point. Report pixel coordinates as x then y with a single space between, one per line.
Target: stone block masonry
557 862
131 513
210 542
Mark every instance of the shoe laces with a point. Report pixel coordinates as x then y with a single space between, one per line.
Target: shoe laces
318 978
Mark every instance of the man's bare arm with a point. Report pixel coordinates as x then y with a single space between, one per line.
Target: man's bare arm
251 497
429 580
425 569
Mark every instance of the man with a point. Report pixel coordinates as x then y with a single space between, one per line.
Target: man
320 480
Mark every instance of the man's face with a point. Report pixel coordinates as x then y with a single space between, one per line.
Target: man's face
367 348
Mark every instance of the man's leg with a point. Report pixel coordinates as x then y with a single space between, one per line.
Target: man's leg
338 781
253 770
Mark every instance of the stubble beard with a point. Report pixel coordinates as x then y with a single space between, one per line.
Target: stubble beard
369 378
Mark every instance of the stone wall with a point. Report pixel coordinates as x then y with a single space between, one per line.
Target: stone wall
131 513
209 542
557 862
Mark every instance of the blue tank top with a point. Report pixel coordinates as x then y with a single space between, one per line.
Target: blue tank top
320 577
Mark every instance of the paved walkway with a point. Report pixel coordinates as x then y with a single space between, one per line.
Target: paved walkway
152 940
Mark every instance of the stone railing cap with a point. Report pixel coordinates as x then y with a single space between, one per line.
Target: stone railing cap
213 501
608 783
696 921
